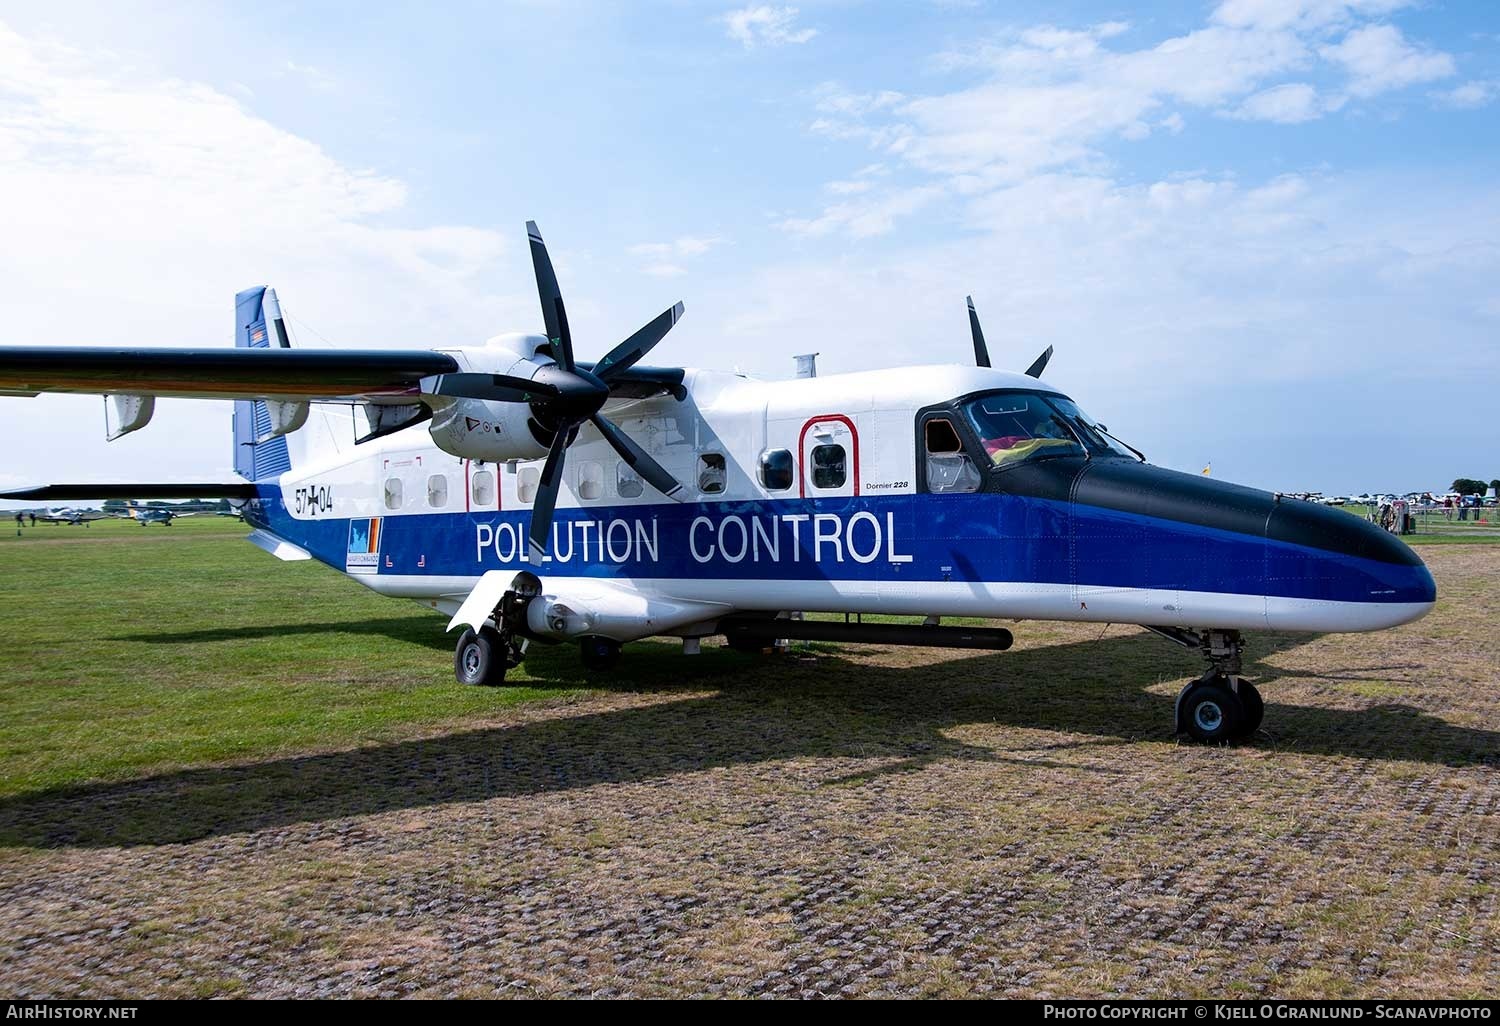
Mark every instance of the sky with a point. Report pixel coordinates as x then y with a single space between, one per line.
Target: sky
1261 234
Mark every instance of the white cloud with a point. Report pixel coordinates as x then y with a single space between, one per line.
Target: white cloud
866 216
134 208
1287 104
764 25
1301 15
1055 98
1379 59
663 257
1470 95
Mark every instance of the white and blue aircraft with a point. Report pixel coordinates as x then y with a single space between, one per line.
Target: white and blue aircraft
536 497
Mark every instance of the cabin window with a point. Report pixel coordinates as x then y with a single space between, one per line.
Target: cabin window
526 484
830 466
776 469
627 481
393 493
949 468
482 486
437 491
941 438
590 479
1016 428
711 473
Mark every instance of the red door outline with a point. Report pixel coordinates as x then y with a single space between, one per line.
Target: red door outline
801 447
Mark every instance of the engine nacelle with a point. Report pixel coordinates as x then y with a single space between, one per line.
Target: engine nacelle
479 429
476 429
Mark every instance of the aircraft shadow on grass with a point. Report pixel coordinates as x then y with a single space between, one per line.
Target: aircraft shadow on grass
755 712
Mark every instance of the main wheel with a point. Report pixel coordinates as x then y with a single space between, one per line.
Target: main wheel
598 653
1211 713
1254 706
479 658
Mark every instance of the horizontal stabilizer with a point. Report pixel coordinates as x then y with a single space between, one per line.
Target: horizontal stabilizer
179 490
278 547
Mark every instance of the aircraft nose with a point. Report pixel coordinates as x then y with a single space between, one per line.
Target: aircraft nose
1377 575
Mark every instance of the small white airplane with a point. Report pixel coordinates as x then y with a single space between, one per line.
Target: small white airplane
70 516
537 497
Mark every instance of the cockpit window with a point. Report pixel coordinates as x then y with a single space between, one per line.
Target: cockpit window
1016 427
1094 434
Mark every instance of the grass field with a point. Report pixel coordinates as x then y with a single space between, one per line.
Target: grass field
223 775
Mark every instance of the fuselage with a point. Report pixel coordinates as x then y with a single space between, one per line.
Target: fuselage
928 490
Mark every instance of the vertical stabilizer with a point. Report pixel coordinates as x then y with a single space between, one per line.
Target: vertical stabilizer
257 460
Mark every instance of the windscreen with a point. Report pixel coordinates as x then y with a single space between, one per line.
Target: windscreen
1089 430
1015 427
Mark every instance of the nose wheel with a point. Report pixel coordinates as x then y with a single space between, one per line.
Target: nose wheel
1221 705
1215 709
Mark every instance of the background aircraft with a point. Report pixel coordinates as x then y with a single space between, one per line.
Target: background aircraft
144 515
68 515
538 497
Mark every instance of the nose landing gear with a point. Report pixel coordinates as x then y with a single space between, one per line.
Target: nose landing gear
1221 705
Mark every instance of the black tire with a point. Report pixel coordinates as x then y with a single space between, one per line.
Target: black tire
479 659
599 654
1211 713
749 646
1254 708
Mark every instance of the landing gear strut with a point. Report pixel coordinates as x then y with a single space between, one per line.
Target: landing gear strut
1221 705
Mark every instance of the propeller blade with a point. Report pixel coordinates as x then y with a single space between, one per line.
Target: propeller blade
546 498
497 387
553 314
1039 364
623 356
639 460
981 352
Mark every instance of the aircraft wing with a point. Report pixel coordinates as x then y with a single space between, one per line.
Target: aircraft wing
295 375
172 490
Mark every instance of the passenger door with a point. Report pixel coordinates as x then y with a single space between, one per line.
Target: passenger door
830 457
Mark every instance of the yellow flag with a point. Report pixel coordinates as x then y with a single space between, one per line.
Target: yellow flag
1208 468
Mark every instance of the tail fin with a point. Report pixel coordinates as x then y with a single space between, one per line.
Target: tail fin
257 455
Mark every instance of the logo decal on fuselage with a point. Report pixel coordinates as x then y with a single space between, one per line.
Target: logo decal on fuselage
364 546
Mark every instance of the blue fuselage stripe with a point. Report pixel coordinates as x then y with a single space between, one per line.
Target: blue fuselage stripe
990 538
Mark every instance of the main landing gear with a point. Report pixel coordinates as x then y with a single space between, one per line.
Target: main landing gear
1221 705
482 657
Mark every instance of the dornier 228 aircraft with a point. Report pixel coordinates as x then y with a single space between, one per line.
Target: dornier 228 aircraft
537 497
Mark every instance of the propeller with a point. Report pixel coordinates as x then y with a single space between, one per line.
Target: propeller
566 395
1039 364
982 353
